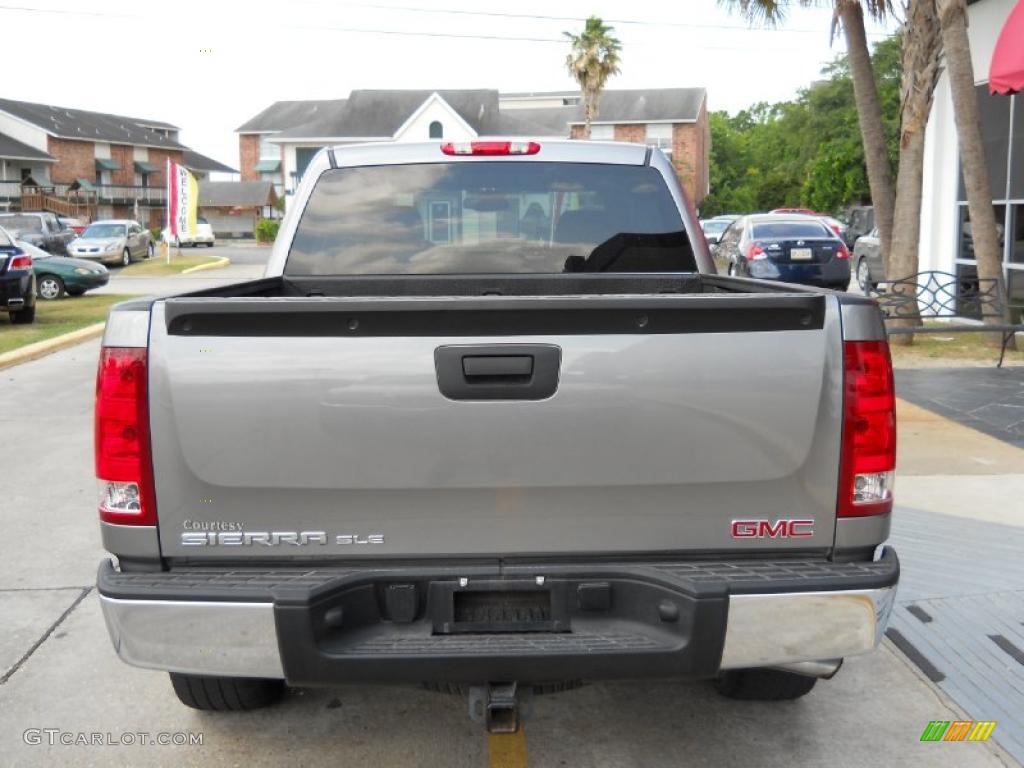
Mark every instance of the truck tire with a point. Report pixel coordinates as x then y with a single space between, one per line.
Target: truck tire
763 684
226 694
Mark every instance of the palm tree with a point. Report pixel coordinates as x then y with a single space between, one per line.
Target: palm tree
956 46
593 59
921 46
849 15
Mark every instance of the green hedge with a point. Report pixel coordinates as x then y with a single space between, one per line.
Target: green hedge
266 230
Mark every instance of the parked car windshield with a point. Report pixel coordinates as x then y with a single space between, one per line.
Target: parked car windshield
101 231
490 217
22 223
716 226
5 239
788 229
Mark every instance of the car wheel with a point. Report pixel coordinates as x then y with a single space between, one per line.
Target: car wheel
50 287
24 316
126 258
763 684
226 694
210 244
864 276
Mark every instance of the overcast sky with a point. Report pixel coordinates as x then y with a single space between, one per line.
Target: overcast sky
209 66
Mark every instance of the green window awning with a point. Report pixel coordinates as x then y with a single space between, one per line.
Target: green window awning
143 167
106 164
83 184
268 166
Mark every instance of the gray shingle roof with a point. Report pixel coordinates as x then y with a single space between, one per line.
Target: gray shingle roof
199 162
649 104
91 126
548 121
380 113
288 114
12 148
236 194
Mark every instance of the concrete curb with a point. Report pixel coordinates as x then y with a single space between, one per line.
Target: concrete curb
48 346
222 261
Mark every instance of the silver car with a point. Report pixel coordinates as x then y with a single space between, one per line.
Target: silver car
113 241
867 261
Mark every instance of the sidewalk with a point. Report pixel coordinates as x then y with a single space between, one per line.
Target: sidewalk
959 532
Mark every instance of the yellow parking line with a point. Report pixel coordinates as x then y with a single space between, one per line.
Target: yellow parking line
507 750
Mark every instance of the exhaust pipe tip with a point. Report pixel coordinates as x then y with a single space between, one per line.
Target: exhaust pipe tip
824 670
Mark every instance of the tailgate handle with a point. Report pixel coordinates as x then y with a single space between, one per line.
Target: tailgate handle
497 371
491 366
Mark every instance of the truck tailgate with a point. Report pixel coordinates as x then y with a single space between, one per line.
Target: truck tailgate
317 427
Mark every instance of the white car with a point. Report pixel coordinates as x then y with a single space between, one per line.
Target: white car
204 236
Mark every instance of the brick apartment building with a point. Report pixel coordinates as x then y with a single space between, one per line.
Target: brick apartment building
277 144
90 164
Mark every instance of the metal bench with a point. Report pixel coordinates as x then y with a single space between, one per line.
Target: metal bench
941 295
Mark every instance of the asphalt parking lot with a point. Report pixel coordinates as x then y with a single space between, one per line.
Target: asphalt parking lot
58 670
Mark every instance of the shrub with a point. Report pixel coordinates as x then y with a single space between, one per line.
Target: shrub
266 230
156 233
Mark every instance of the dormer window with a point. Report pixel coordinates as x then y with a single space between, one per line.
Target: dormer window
436 130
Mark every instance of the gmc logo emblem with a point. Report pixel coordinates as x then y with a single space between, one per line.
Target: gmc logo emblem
765 529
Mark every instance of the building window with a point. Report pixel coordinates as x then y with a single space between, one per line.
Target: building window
436 130
269 151
660 135
1002 127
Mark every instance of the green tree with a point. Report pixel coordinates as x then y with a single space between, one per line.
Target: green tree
848 15
805 152
593 58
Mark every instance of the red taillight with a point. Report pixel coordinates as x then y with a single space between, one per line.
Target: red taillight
124 465
869 430
842 252
20 261
490 148
756 253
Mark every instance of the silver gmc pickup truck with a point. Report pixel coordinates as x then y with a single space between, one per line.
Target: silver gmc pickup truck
493 423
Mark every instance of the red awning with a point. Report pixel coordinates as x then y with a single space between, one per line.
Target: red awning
1006 74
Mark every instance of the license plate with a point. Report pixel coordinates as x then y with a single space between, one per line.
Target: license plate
800 254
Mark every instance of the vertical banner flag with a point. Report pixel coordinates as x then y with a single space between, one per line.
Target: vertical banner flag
182 201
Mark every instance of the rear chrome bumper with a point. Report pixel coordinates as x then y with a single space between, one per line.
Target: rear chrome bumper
287 639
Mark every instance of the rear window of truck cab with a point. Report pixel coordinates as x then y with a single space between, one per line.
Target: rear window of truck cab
490 217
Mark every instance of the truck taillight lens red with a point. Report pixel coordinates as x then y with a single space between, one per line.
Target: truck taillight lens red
869 430
124 465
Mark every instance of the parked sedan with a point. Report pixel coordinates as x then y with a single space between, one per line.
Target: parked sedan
867 261
113 241
713 229
17 281
793 248
59 275
203 236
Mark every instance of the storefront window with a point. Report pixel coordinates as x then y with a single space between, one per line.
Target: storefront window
966 247
1017 240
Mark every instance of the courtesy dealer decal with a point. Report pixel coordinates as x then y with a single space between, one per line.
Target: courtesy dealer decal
274 538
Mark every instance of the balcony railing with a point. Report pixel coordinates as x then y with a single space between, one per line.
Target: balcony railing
99 194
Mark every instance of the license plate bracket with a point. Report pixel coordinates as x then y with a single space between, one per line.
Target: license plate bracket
492 607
